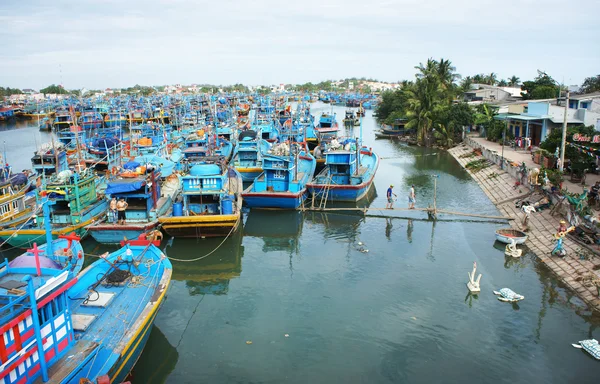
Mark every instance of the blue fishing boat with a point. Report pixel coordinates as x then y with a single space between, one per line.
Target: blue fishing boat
211 201
62 120
115 119
226 131
283 181
61 327
147 197
198 146
398 128
147 139
103 153
348 174
267 128
91 120
49 159
248 155
76 204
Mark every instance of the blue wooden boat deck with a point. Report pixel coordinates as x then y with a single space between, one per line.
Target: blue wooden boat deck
121 327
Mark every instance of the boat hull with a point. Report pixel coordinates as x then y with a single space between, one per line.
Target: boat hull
114 233
200 225
25 238
283 200
348 193
508 238
123 367
118 361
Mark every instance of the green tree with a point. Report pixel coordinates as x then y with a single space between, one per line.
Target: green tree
513 81
424 100
9 91
492 79
465 84
542 87
591 84
54 89
502 83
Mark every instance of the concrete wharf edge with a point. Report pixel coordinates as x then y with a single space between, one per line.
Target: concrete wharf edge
501 189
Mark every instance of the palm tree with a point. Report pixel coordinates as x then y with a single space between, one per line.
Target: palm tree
430 68
492 79
465 85
423 103
514 80
502 83
479 79
446 73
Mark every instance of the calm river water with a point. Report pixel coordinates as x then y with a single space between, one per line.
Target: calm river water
318 308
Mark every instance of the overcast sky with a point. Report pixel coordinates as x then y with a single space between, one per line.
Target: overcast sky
119 43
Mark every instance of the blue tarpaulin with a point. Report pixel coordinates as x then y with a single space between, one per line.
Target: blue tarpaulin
105 142
124 186
131 165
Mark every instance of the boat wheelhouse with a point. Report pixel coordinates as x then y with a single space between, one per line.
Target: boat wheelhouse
282 184
211 202
348 174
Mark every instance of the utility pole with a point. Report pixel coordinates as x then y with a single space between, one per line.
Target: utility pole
503 140
564 135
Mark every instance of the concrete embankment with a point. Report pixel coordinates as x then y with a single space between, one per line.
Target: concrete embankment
580 276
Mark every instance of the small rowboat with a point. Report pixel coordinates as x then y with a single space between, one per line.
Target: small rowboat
507 235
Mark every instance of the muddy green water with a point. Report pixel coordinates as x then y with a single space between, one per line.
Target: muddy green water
399 313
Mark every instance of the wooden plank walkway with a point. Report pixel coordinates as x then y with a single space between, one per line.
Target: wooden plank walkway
428 210
500 187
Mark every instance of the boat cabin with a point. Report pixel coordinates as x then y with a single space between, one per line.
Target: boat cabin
140 194
279 174
50 161
203 190
34 314
72 193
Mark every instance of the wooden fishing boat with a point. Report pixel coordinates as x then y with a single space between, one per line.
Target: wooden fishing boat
92 327
147 199
14 209
211 202
248 155
282 184
91 120
50 159
115 119
507 235
350 120
62 120
348 174
75 205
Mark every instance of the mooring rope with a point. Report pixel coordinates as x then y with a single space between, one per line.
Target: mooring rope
211 252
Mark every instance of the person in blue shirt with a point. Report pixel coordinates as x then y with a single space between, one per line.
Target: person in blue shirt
390 199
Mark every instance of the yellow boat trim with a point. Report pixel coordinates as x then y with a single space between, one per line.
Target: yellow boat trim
60 231
149 318
198 225
249 169
198 219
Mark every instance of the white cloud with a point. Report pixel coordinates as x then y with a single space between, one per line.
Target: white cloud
165 41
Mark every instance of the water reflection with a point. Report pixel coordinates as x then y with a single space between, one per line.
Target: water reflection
210 275
409 230
470 297
279 229
158 354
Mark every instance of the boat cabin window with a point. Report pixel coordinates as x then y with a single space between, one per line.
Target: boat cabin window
137 203
61 206
53 309
340 169
4 209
